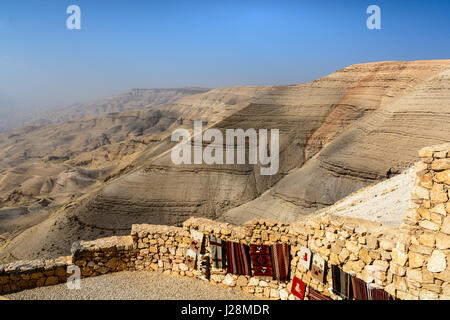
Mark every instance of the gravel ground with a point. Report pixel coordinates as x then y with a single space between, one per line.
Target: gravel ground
137 285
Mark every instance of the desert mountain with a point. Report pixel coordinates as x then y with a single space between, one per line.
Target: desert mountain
131 100
338 134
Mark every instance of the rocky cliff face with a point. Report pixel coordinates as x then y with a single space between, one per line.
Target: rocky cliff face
407 108
338 134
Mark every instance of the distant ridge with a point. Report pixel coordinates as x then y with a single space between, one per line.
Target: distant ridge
134 99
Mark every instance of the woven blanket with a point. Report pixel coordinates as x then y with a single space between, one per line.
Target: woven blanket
261 261
318 268
280 261
196 240
218 250
359 289
305 257
341 283
203 266
191 258
298 288
316 295
238 261
378 294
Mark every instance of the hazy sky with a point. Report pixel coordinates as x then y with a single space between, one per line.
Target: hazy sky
126 44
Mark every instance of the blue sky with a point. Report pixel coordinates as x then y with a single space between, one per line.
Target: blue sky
145 44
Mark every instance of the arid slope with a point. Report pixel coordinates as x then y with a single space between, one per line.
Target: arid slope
355 127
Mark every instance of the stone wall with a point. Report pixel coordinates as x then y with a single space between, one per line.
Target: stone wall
22 275
360 247
410 262
422 256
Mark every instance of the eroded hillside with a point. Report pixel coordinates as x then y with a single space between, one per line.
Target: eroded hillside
355 127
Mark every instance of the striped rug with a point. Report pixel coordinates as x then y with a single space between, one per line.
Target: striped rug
280 261
316 295
378 294
359 289
218 248
342 285
238 259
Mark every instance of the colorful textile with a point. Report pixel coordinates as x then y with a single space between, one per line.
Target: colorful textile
191 258
341 283
261 261
238 261
378 294
305 257
359 289
217 247
280 261
298 288
318 268
203 266
316 295
196 240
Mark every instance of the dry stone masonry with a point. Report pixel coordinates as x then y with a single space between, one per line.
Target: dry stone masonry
410 262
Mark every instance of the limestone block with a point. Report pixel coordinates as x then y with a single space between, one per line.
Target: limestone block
354 266
428 295
425 181
386 245
414 275
427 239
420 193
440 164
442 241
420 168
446 289
438 193
51 281
375 255
440 154
424 213
437 262
274 294
242 281
399 257
263 283
400 283
446 225
372 242
426 152
439 209
397 270
381 265
416 260
429 225
253 282
284 294
332 237
352 246
432 287
364 256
